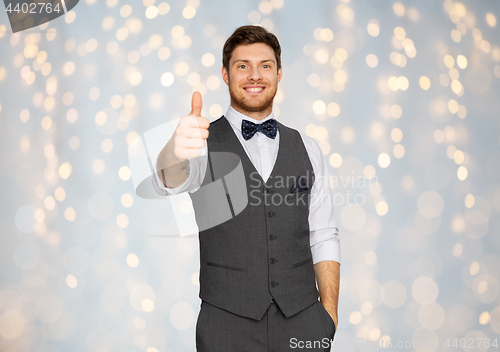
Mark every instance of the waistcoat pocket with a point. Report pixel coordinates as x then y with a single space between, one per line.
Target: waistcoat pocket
226 267
304 262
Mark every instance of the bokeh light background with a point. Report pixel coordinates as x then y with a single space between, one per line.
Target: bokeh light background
401 96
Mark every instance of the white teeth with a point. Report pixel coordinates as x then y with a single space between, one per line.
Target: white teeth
255 89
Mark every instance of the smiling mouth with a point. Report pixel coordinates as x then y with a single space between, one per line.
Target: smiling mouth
254 89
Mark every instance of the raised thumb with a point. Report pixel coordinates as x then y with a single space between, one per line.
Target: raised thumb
196 104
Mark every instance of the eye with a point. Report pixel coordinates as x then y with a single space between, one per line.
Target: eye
241 66
267 66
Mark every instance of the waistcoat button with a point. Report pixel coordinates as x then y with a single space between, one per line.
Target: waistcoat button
274 283
273 260
272 237
270 214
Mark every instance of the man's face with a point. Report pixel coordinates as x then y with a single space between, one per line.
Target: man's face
252 79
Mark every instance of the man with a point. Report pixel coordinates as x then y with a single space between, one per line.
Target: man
258 270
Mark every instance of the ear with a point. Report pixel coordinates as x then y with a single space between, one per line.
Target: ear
225 75
280 74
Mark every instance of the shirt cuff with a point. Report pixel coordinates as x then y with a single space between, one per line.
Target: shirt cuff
326 250
167 191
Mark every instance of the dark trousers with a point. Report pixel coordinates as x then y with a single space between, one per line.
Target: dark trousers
218 330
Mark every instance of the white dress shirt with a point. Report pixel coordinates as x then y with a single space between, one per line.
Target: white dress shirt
262 151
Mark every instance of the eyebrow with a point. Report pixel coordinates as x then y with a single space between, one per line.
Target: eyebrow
247 61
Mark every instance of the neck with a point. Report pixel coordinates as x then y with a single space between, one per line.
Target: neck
257 115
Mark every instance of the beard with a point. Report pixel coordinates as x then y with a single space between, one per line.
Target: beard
252 103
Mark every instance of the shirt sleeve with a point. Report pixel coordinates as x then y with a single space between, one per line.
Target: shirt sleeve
197 169
324 237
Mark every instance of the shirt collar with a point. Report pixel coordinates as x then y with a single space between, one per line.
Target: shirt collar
235 117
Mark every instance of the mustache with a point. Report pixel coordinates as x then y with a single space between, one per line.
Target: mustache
257 83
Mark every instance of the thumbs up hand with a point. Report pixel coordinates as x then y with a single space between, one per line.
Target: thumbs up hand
191 132
186 142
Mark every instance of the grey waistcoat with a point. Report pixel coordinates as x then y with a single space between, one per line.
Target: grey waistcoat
261 249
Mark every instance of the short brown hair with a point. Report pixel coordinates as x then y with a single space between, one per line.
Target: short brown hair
251 34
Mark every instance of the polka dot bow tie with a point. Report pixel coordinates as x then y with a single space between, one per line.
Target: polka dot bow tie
269 128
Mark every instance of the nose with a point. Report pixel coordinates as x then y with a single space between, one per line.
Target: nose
254 74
